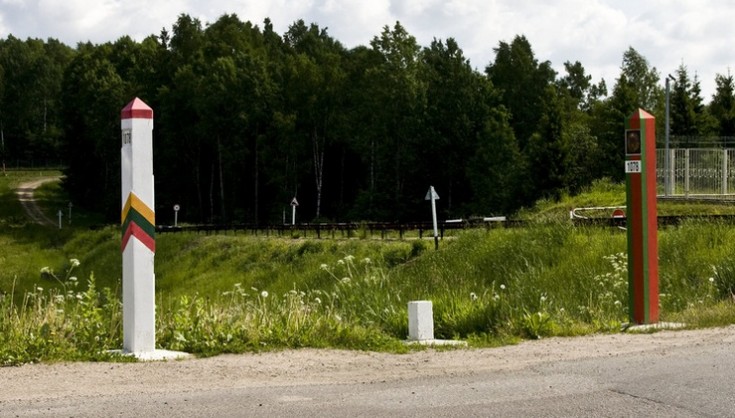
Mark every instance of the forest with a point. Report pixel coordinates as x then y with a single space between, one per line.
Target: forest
246 119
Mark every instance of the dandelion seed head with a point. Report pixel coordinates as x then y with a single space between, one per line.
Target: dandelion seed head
711 279
502 287
264 294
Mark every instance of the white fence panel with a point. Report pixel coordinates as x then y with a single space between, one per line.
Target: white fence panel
696 173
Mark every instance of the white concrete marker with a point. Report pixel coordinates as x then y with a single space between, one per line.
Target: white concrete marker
420 320
138 233
421 325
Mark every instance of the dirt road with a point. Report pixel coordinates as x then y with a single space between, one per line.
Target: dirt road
25 192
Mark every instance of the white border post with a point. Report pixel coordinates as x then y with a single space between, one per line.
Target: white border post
138 228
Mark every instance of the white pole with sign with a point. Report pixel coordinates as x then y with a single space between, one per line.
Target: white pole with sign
433 196
294 203
176 214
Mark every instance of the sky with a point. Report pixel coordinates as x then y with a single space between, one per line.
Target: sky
668 33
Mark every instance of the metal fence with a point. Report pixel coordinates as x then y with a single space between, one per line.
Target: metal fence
700 173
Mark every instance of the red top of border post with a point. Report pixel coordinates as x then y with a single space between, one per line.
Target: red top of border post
136 109
636 117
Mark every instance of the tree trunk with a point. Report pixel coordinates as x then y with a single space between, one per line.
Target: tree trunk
318 170
256 184
221 182
211 193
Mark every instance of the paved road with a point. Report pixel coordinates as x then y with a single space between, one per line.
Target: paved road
682 374
25 193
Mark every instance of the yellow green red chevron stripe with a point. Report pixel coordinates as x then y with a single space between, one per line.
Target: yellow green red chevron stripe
138 220
134 202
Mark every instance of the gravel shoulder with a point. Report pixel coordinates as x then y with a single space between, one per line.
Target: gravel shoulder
44 382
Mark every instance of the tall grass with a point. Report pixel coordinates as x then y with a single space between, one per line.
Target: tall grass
486 286
237 293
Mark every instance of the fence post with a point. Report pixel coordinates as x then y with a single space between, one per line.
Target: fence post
672 171
686 173
724 171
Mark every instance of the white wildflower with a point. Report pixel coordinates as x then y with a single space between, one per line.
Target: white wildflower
473 296
74 262
340 262
366 260
346 280
264 294
502 287
711 279
45 270
324 267
349 258
318 301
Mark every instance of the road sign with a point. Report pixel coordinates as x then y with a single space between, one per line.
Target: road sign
433 196
294 203
176 208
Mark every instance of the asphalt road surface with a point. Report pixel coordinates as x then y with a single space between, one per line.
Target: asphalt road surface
666 374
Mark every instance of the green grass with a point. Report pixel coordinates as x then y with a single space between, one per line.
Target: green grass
235 293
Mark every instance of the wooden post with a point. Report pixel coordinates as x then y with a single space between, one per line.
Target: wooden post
640 175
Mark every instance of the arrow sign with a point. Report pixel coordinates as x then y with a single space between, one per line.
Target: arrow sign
431 194
294 202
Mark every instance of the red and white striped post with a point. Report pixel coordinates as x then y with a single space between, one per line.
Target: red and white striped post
642 221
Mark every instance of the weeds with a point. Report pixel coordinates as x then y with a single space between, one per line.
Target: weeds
488 287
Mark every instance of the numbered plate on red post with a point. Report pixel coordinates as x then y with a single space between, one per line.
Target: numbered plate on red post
632 167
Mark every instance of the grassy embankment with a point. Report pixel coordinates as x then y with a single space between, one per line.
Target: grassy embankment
239 293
